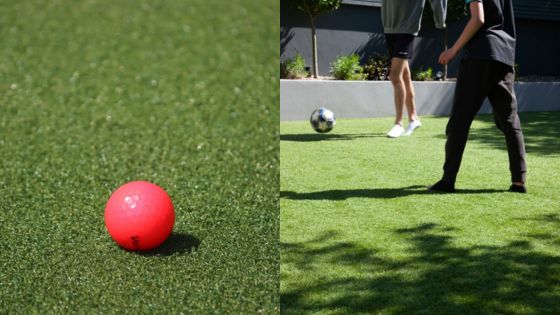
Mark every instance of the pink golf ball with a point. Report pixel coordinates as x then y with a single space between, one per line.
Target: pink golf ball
139 216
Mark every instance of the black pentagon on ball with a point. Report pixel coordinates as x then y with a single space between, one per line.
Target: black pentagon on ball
324 130
315 124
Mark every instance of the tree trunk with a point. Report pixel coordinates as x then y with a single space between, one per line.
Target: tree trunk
445 39
314 47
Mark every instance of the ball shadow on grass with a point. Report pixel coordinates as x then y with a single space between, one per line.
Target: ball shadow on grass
177 243
309 137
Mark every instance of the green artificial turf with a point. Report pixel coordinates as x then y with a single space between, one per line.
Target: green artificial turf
180 93
360 234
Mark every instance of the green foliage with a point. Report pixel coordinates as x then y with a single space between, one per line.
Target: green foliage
376 67
347 68
293 68
455 12
316 7
422 75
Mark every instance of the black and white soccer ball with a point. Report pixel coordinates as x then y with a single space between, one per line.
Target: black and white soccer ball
322 120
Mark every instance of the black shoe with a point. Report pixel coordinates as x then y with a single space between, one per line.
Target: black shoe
442 186
518 189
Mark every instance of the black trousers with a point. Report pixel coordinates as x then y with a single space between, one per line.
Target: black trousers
477 80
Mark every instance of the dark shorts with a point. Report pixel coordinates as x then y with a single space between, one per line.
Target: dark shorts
399 45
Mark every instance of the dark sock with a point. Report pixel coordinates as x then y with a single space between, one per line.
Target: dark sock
442 186
518 189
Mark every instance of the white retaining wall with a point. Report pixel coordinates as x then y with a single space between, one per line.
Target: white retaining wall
362 99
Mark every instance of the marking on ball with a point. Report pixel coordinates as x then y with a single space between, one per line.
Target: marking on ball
135 240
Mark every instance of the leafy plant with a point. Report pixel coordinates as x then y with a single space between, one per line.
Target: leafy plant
422 75
314 8
376 67
347 68
293 68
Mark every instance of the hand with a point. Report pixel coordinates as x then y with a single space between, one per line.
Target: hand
446 56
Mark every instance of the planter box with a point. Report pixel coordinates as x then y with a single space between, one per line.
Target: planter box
364 99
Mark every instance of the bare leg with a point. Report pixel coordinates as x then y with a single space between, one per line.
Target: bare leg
396 77
409 98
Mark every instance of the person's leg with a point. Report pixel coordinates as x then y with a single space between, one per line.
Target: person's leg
470 91
409 93
399 90
413 120
399 47
399 93
504 105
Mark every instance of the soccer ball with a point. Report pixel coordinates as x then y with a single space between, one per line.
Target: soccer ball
322 120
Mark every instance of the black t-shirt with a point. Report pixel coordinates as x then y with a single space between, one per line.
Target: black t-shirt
495 40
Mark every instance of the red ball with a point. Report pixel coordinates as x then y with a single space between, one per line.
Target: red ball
139 216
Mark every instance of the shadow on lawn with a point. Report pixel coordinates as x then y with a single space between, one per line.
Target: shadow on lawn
540 130
177 243
306 137
546 219
437 277
383 193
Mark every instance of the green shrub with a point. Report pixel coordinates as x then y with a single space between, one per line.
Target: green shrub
293 68
422 75
376 67
347 68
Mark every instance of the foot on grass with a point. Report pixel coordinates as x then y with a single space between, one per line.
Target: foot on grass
442 186
518 189
396 131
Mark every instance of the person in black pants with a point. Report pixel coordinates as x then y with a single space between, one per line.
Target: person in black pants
486 70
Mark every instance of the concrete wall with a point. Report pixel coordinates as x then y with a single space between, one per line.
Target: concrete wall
364 99
358 29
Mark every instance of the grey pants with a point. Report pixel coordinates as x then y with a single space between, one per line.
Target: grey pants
477 80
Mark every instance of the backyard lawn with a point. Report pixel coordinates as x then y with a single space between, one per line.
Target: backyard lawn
361 234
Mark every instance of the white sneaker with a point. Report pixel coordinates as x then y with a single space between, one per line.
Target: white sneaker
413 125
396 131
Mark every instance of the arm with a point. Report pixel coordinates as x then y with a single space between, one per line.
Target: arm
476 21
